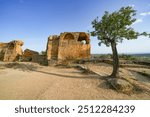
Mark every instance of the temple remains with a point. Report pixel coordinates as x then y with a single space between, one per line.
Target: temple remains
33 56
28 55
11 51
68 45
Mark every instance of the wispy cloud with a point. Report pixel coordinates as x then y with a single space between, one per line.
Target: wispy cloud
138 21
132 5
145 13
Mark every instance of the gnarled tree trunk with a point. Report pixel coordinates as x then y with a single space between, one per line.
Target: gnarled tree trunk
115 72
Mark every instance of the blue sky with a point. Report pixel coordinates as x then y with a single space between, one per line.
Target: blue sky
34 20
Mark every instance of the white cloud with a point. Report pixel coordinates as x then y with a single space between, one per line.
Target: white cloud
138 21
145 13
132 5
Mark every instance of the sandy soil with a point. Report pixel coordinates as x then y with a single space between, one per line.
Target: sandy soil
43 83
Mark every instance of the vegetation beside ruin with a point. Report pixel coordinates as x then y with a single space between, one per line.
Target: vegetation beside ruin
113 28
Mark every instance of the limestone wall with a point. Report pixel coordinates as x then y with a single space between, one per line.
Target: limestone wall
74 52
52 47
3 46
28 55
11 51
41 59
33 56
74 45
69 45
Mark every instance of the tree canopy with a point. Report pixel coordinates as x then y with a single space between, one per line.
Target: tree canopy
116 26
113 28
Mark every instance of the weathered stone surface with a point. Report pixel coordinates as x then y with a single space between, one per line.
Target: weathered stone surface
28 55
52 47
33 56
41 59
121 85
11 51
69 45
3 47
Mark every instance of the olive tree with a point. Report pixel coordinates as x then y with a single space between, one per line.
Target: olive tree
113 28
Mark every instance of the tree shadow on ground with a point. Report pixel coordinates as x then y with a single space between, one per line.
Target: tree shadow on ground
31 67
21 66
69 76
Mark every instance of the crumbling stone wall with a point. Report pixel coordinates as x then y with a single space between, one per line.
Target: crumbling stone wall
28 55
33 56
69 45
41 59
11 51
3 47
52 47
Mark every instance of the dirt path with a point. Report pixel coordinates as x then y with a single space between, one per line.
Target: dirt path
56 83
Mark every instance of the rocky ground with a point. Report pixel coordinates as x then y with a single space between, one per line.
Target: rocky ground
30 81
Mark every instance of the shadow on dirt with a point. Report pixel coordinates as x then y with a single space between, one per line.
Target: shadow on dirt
21 66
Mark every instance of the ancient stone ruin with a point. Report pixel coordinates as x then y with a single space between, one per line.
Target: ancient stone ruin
33 56
28 55
11 51
68 45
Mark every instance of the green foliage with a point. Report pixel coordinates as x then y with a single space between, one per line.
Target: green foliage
102 56
109 56
116 26
43 53
126 57
142 59
113 28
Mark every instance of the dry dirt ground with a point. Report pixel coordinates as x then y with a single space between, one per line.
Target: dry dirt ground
28 81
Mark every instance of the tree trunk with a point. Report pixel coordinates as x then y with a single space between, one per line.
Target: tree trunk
115 72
